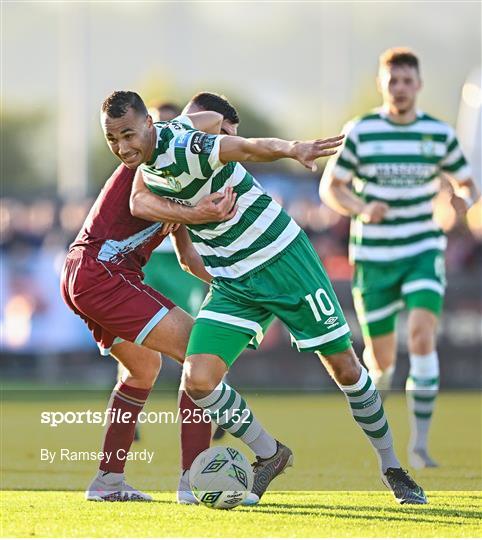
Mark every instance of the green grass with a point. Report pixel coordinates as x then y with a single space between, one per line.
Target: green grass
282 514
333 489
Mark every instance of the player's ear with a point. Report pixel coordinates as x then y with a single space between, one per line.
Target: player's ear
149 121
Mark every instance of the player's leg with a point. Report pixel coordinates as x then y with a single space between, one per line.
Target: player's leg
423 293
140 369
142 316
219 432
120 374
364 401
318 324
422 384
377 300
367 410
171 336
221 332
379 356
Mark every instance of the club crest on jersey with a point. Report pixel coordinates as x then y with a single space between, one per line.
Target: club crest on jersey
173 183
427 146
163 181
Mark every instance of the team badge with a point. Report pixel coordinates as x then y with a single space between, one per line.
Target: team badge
173 183
427 146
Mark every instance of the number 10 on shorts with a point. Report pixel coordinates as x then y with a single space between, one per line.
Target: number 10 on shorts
320 302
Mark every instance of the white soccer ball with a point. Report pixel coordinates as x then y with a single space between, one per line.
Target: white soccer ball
221 477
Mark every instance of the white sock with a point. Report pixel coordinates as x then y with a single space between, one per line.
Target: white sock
264 446
421 390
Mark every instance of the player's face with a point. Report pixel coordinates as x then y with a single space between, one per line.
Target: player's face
130 137
399 86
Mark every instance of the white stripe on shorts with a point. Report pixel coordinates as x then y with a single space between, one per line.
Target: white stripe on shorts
235 321
150 325
106 352
381 313
422 284
321 340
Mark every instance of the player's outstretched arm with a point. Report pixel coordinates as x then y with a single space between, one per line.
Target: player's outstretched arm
189 260
146 205
305 152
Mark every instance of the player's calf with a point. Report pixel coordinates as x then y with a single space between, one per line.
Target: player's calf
365 404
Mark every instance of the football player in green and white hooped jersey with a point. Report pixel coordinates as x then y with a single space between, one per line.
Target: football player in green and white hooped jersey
262 264
394 157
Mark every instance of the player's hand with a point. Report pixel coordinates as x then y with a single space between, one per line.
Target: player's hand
459 205
307 151
168 228
374 212
217 207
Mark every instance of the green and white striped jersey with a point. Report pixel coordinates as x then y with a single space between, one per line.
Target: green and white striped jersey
185 167
399 165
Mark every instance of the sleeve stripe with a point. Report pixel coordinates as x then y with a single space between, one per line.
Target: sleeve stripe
452 145
341 162
350 145
455 166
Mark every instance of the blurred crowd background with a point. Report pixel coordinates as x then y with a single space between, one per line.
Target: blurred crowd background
300 71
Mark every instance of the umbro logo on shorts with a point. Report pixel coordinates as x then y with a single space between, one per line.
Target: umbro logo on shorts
331 321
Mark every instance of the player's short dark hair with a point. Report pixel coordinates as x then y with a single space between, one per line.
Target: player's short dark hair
166 110
217 103
168 106
120 101
399 56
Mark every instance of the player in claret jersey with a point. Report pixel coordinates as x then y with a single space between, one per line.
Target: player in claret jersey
394 156
256 260
102 282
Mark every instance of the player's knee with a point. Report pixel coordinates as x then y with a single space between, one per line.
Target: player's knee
345 367
146 372
197 380
421 340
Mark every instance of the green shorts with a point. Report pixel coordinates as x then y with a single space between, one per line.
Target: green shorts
163 273
294 288
380 291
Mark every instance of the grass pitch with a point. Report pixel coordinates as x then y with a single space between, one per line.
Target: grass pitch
332 491
282 514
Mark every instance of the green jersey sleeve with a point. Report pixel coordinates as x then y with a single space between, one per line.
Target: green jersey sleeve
454 162
196 153
344 164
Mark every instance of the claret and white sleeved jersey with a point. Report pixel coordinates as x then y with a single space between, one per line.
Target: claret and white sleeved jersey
399 165
185 167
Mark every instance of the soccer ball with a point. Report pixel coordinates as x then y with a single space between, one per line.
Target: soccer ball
221 477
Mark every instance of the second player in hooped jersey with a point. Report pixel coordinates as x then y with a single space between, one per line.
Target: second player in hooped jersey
186 166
